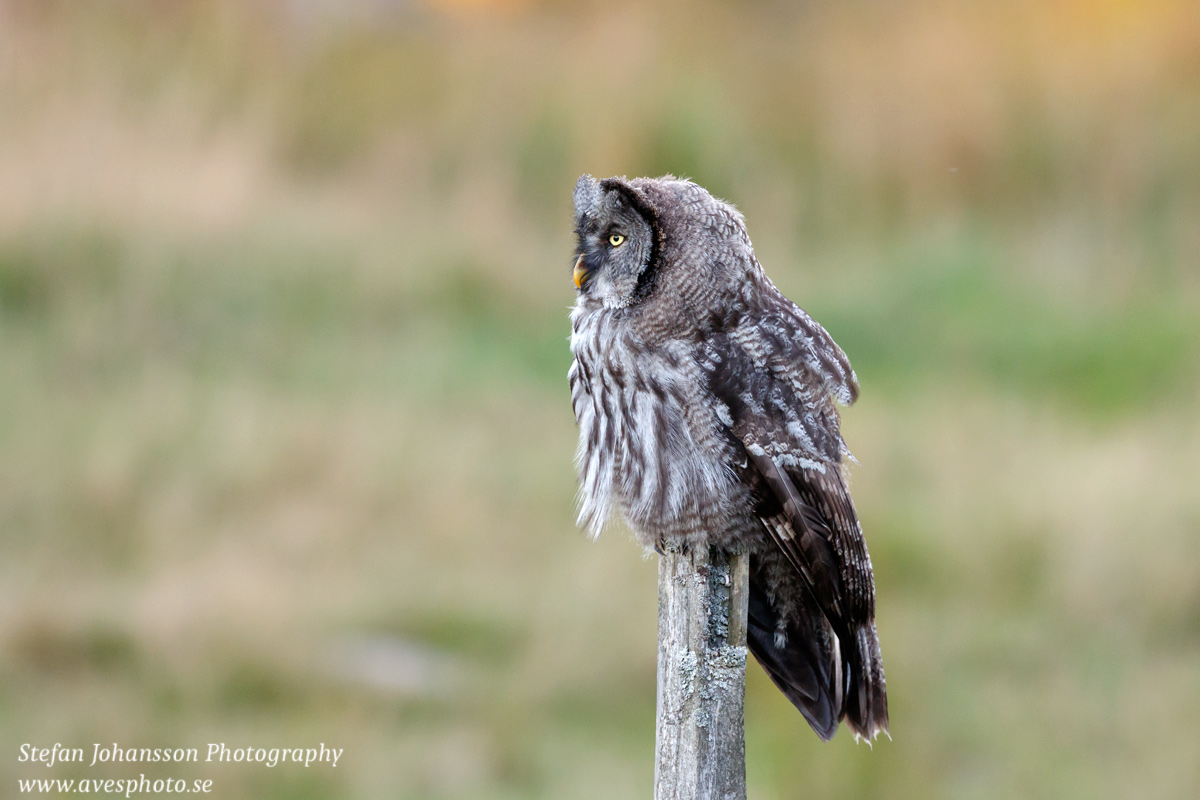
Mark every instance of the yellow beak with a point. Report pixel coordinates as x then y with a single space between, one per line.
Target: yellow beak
579 273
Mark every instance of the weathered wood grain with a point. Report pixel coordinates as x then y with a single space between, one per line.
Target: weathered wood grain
700 748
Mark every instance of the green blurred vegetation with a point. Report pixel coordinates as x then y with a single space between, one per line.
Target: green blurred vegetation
283 293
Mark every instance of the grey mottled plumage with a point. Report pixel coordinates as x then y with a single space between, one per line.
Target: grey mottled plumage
705 404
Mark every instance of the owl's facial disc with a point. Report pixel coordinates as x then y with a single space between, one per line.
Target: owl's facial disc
582 271
615 244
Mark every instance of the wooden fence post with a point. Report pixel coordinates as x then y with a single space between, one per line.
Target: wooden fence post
699 743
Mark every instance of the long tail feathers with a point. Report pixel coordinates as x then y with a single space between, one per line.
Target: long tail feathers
828 679
866 691
800 659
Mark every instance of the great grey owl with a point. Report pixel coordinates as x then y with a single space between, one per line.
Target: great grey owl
705 405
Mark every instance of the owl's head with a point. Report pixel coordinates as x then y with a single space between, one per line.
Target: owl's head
618 247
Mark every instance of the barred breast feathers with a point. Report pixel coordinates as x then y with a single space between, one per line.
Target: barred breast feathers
647 441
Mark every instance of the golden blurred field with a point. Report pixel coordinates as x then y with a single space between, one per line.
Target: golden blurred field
285 440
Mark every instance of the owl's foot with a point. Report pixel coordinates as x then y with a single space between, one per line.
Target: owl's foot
680 546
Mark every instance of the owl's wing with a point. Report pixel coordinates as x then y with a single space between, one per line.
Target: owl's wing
780 409
783 338
779 395
819 534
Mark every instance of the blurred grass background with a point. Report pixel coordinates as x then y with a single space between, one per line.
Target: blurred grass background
285 441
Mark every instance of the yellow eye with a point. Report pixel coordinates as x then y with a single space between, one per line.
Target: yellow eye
616 240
